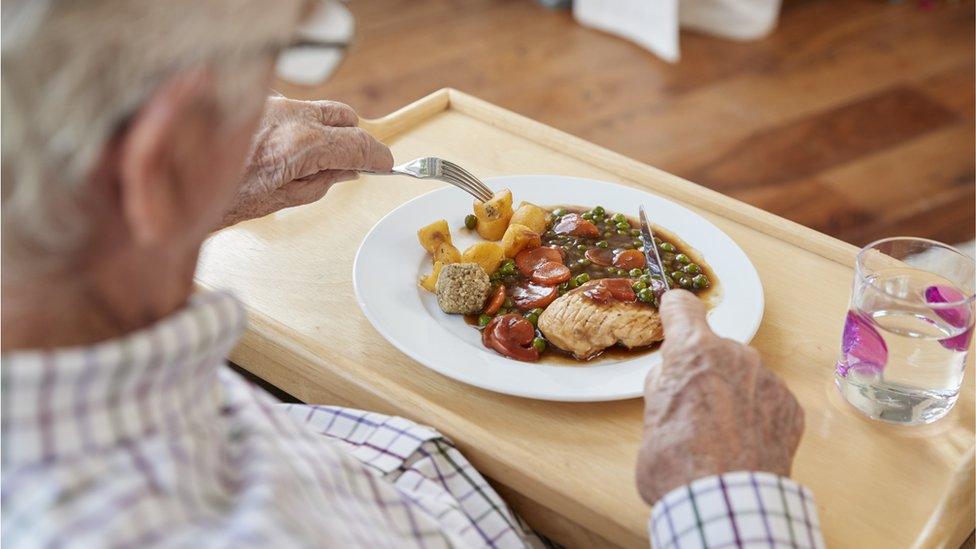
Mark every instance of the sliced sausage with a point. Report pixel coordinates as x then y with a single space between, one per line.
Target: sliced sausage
496 301
528 295
606 290
511 336
628 259
529 260
600 256
551 273
575 225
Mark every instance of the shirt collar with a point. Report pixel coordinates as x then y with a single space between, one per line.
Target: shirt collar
62 402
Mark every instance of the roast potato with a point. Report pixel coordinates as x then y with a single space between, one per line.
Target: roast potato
429 282
433 235
518 237
494 215
531 216
487 254
446 253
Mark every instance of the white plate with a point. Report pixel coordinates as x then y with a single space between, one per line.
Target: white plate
390 260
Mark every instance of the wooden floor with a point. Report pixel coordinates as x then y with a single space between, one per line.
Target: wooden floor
855 117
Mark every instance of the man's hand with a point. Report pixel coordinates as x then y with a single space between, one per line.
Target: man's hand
302 148
711 407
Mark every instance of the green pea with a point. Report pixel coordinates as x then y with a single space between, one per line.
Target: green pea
623 225
470 221
619 218
635 273
608 234
646 295
668 247
640 285
684 282
483 320
677 275
567 247
700 281
635 232
603 244
533 318
550 234
539 344
667 258
646 279
573 283
584 262
599 211
559 212
682 258
581 278
692 268
657 241
598 217
582 247
588 216
638 244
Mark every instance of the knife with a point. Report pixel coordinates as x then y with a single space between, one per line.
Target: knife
651 255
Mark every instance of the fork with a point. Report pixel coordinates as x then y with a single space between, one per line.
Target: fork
442 170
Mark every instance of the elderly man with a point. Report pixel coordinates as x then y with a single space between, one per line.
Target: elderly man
131 130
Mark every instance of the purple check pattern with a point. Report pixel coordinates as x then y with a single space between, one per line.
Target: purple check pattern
150 440
740 509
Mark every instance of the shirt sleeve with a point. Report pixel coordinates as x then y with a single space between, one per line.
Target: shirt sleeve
741 509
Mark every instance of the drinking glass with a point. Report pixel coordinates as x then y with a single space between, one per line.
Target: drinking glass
908 330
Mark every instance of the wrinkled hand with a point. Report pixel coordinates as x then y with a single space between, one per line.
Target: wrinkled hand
711 407
300 150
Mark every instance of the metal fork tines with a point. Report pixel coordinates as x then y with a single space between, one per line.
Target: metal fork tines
446 171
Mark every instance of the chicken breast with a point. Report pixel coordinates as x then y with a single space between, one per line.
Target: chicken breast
583 326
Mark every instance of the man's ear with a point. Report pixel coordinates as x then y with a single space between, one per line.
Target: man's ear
150 192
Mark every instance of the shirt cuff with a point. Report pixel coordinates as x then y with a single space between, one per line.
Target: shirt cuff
740 509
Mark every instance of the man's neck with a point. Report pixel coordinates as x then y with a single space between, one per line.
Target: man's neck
101 300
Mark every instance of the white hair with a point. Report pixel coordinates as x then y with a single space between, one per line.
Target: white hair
73 71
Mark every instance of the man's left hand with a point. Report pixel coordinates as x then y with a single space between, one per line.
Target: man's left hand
300 150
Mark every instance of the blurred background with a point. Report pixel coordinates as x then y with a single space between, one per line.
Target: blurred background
854 117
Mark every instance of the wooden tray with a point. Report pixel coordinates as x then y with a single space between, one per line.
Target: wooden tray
568 467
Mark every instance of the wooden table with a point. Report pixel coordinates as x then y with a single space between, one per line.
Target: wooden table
568 467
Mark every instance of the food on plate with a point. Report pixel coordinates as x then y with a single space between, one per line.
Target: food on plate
513 336
434 235
598 315
462 288
518 237
429 281
493 216
446 253
564 280
487 254
531 216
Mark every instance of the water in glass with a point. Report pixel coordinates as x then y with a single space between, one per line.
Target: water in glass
907 332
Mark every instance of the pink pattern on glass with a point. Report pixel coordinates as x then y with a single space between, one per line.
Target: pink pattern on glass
863 347
958 317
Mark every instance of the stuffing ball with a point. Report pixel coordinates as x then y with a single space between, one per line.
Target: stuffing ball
462 288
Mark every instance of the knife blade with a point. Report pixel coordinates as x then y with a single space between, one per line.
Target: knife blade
651 256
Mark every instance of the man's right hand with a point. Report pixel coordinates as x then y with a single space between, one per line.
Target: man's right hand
711 407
